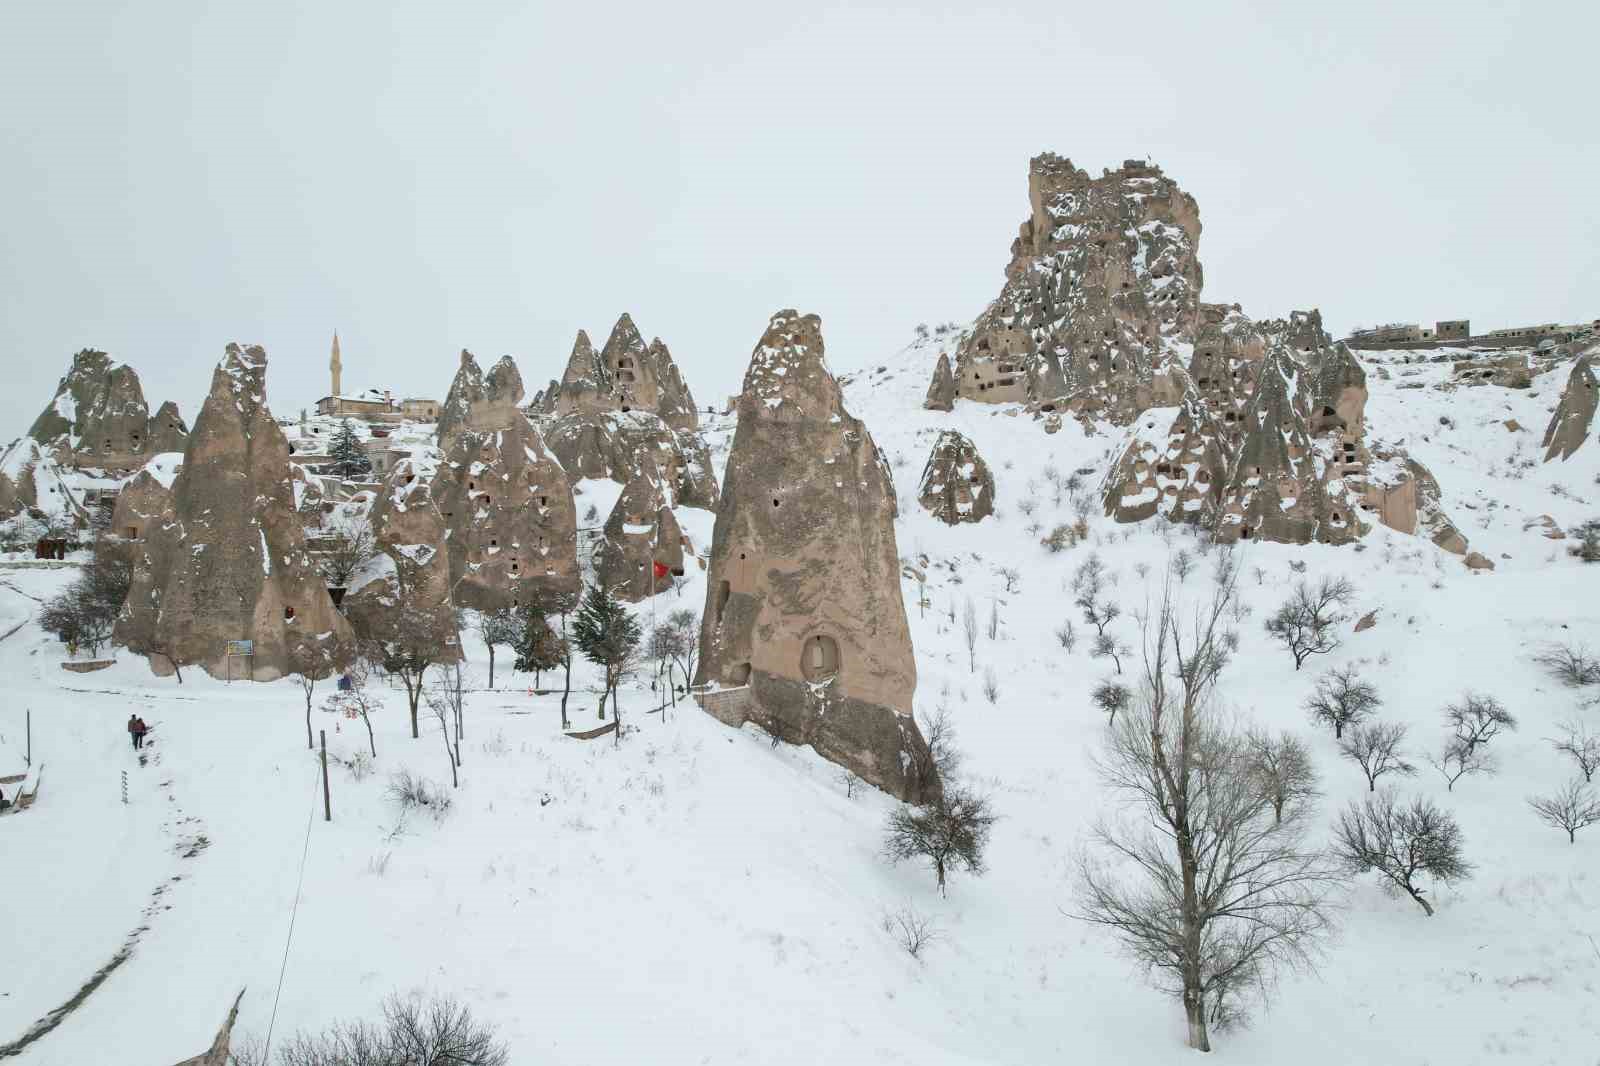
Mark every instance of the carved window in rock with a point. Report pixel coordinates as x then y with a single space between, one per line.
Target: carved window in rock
740 674
819 660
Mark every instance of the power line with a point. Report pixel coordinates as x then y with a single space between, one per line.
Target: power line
294 912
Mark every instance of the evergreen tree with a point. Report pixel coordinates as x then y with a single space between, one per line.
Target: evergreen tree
348 455
608 635
538 647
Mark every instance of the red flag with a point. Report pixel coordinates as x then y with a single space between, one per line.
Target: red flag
661 571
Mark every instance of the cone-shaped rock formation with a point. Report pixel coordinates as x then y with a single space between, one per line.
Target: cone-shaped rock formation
804 628
956 483
1574 416
231 563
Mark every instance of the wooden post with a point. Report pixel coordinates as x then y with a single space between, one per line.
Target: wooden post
29 757
327 800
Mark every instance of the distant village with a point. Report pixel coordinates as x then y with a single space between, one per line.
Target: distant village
1457 332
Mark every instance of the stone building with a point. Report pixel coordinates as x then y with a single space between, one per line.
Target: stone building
370 405
804 627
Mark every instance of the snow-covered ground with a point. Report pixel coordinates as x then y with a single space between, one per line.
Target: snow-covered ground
696 896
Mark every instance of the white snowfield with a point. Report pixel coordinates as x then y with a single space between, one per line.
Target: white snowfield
695 896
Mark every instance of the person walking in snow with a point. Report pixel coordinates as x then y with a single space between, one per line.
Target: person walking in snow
140 729
133 730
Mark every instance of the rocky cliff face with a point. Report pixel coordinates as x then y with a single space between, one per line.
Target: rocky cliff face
956 483
98 417
1574 415
145 500
480 403
230 563
640 534
1103 285
512 525
804 619
1269 442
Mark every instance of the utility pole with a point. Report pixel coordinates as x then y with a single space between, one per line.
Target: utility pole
28 758
327 799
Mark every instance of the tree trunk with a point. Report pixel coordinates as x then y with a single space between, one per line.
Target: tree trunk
491 666
566 690
605 692
1415 894
938 872
412 695
309 745
1194 1008
371 741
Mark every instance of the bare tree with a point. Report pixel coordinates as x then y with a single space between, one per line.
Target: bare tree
1307 623
1376 749
1342 699
1107 646
1205 889
664 646
1181 565
1111 696
951 832
991 685
1478 719
969 632
500 626
1067 636
438 1032
361 699
1088 581
940 759
1569 809
344 548
1010 575
1582 745
1401 842
1458 758
311 661
1570 664
1283 770
994 620
446 700
406 641
912 930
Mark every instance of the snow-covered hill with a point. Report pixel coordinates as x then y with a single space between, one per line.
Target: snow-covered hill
697 895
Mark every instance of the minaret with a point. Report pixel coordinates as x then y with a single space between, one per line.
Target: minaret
334 365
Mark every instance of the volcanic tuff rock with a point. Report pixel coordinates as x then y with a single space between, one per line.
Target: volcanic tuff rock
610 444
99 417
408 584
230 563
512 525
146 498
956 484
639 533
478 403
1103 284
942 390
627 375
1574 416
30 480
1269 442
804 617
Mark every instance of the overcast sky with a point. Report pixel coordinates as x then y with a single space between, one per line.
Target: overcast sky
425 177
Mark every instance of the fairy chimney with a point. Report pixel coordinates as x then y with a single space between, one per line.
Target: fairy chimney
956 483
942 389
641 548
408 584
507 504
231 565
804 627
478 402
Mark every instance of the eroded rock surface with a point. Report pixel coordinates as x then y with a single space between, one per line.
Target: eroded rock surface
479 402
230 564
508 505
804 628
641 548
1574 416
957 485
99 418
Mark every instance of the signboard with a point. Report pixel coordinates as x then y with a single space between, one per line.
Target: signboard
241 647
